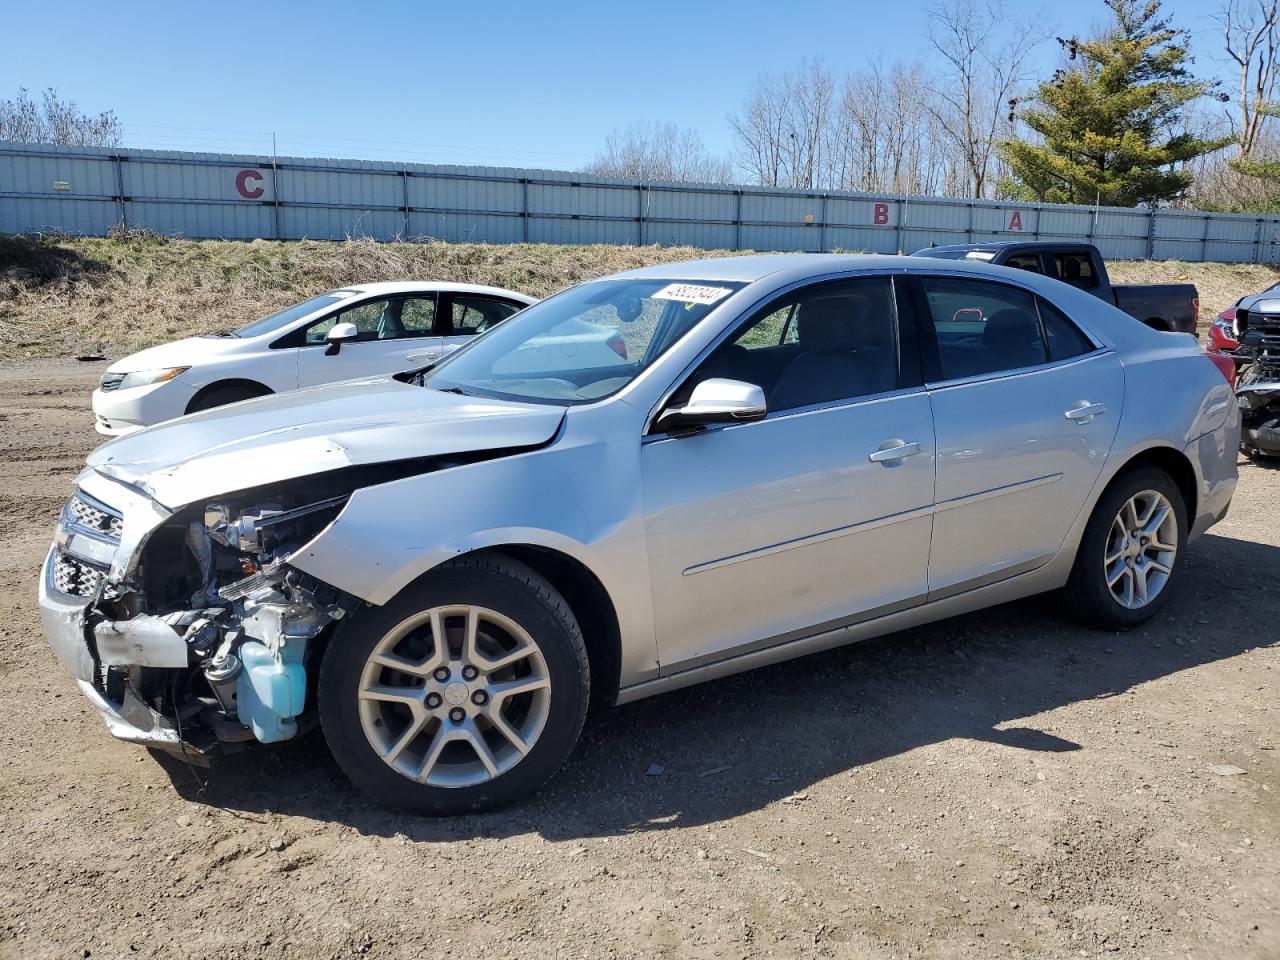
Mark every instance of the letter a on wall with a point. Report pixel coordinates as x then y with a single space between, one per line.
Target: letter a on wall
1015 222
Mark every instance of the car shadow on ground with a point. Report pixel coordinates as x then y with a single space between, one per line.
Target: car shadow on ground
736 745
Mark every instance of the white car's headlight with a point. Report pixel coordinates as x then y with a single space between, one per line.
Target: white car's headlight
142 378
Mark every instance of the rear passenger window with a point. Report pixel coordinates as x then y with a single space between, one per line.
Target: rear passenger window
1064 337
473 314
1076 269
824 343
1028 261
982 327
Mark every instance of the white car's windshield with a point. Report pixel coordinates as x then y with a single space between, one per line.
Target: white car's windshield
282 318
583 344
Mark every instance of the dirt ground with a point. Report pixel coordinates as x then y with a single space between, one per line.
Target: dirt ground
1001 785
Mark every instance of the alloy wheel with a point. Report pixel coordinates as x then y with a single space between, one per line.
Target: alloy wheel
454 696
1141 547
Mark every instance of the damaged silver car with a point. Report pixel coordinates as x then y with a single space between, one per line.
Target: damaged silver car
444 568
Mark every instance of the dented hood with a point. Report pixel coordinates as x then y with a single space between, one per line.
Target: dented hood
312 431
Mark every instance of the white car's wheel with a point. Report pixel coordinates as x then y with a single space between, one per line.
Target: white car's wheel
467 691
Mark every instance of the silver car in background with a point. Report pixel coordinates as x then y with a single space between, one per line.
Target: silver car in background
443 568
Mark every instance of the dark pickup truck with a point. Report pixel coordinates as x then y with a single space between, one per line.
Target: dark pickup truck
1164 306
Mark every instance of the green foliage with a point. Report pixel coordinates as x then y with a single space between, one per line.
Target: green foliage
1108 120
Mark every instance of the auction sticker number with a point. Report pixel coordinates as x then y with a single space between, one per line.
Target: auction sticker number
691 293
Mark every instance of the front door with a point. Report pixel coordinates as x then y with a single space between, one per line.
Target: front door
395 333
1025 410
816 516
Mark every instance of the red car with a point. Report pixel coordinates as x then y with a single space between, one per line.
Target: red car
1222 332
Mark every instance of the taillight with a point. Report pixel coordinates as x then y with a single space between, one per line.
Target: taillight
618 346
1226 366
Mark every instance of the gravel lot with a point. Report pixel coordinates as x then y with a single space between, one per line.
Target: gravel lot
1004 784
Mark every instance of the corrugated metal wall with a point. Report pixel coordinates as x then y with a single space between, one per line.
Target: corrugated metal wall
84 190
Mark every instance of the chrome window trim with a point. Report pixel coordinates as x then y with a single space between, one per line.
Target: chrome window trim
1016 371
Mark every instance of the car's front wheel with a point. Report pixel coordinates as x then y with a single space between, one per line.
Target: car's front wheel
1130 551
466 691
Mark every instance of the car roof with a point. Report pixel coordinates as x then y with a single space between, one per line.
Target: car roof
753 267
782 269
1002 245
434 286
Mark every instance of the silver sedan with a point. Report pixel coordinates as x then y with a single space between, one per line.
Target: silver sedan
778 454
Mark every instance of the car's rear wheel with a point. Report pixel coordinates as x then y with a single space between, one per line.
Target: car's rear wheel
466 691
1130 551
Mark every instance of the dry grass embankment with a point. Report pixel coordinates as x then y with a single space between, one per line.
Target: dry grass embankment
66 297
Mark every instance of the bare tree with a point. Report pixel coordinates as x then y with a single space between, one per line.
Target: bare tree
983 67
783 131
1251 35
51 119
659 151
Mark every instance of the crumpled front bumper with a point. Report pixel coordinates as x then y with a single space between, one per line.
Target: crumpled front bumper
130 719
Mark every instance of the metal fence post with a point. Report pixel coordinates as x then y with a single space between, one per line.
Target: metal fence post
737 223
122 213
640 209
275 189
969 229
1204 238
902 225
1151 234
524 207
404 196
822 227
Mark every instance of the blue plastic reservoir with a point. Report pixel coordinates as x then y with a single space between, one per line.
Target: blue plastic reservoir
269 694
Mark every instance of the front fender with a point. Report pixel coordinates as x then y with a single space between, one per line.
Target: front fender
579 496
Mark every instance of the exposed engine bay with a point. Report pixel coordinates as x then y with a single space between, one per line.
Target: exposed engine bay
210 631
1258 388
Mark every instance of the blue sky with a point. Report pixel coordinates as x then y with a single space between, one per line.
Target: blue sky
504 83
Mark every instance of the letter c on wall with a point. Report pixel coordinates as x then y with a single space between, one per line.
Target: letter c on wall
249 184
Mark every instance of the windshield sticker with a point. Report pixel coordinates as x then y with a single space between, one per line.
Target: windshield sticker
980 255
691 293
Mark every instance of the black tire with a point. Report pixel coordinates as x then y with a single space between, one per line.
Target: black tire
499 584
220 396
1087 595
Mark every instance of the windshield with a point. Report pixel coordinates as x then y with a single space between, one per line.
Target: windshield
282 318
581 345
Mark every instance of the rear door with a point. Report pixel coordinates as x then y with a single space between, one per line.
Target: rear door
395 333
464 315
1025 409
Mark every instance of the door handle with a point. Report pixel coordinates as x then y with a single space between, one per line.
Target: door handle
1084 411
892 450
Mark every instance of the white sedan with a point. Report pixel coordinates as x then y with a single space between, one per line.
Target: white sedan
363 330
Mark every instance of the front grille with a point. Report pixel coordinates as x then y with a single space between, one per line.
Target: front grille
110 381
85 512
74 577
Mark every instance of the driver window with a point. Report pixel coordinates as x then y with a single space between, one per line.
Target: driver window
385 319
828 342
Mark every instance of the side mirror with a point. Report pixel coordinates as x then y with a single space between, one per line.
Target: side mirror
716 401
340 333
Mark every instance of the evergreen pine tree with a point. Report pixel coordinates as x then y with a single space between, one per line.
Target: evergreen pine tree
1109 120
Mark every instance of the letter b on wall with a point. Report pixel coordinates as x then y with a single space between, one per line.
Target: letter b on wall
880 214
